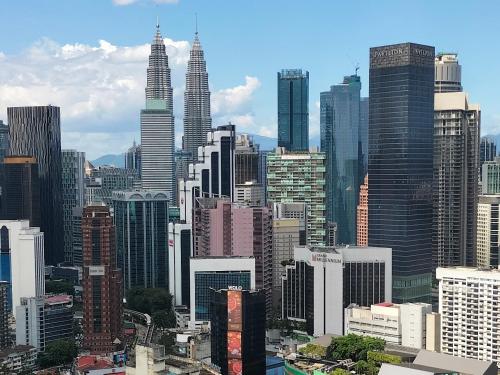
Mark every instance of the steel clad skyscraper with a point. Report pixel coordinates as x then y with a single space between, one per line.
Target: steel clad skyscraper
340 141
36 131
197 120
157 123
400 164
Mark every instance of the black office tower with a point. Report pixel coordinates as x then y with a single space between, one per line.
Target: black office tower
36 131
400 164
238 324
20 189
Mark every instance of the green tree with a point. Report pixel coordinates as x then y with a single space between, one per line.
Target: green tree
313 350
149 300
58 353
367 368
59 287
353 347
168 341
164 319
339 371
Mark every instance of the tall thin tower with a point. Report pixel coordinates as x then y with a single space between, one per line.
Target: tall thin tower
456 162
157 122
197 120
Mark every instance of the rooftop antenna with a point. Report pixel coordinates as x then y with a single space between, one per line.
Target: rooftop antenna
196 22
157 22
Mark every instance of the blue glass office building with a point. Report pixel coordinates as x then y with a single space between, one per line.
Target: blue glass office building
400 164
216 280
293 109
340 141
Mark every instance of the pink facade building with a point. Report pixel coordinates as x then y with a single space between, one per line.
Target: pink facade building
222 228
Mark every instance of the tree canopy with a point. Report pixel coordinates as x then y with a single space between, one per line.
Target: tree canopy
164 319
59 287
339 371
58 353
149 300
353 347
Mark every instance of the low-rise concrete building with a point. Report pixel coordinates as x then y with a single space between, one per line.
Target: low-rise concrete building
431 363
404 324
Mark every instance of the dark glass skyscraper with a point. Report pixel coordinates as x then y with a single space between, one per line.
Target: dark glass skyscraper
364 110
141 220
36 131
238 327
20 190
400 164
293 109
4 140
340 141
487 150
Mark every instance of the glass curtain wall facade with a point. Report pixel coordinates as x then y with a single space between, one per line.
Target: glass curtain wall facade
340 138
293 109
36 131
4 140
141 220
400 164
205 281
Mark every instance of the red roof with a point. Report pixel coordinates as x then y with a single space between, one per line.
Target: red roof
384 304
92 362
61 298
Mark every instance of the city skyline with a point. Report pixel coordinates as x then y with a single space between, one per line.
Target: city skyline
101 117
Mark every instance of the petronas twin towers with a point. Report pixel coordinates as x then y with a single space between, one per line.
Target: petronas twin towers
157 119
197 120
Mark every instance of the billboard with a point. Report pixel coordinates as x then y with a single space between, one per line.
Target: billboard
96 270
234 328
234 367
234 310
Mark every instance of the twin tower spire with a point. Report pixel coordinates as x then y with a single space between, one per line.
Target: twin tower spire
197 119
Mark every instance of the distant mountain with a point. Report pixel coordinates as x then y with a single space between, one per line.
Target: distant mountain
268 143
265 144
110 159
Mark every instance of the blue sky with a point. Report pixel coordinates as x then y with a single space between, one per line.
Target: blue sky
90 56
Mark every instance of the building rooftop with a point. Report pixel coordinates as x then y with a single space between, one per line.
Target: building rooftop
58 299
93 362
457 364
469 271
17 349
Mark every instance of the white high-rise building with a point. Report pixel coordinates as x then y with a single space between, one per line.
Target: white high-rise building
212 175
468 304
488 243
322 281
157 123
27 260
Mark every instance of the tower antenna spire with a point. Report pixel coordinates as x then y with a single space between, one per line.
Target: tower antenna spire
157 22
196 23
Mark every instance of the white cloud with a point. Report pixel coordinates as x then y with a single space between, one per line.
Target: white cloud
100 89
314 115
123 2
128 2
236 98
